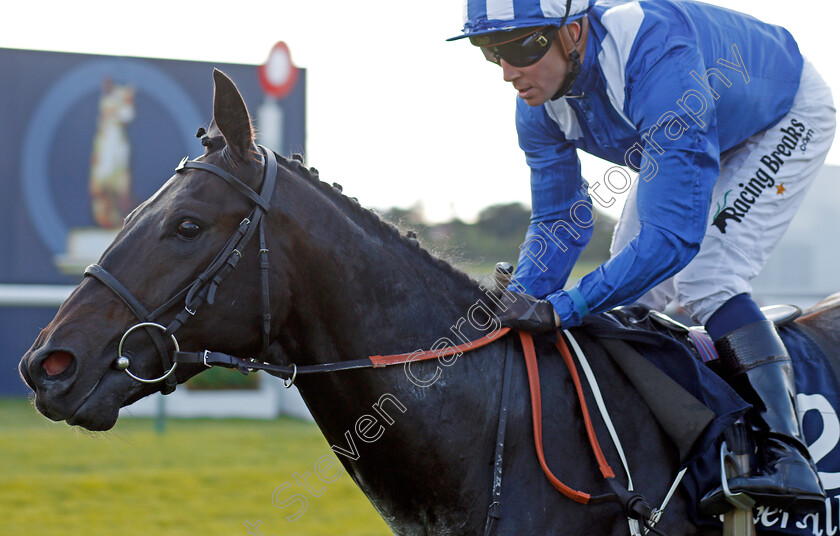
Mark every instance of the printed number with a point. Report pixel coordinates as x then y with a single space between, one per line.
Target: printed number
829 437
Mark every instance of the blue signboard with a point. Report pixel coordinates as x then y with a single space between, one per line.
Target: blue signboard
83 140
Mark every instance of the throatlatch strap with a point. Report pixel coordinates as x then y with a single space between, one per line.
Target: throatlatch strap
536 410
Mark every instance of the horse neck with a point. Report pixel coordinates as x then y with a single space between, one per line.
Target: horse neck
359 288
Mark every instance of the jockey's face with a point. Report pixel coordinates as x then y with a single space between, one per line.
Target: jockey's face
538 82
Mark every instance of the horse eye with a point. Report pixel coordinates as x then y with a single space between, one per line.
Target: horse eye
189 230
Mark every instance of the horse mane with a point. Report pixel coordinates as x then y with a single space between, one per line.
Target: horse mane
352 208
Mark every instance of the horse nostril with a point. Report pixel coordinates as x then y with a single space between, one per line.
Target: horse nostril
57 362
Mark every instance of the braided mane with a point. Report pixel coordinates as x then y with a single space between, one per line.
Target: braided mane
351 207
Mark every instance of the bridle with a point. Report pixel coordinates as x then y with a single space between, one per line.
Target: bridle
203 288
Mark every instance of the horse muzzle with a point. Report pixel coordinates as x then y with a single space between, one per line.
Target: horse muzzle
68 388
52 373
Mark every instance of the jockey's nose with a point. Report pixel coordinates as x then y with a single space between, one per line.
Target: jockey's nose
509 72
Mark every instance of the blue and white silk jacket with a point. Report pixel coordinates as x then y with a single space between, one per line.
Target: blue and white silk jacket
665 88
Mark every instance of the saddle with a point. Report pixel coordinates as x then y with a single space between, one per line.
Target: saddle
695 337
817 374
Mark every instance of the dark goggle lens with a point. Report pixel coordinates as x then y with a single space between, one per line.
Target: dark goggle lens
522 52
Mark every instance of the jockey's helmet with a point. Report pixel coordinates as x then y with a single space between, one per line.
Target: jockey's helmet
483 17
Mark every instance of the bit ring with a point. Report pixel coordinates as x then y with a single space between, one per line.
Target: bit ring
123 362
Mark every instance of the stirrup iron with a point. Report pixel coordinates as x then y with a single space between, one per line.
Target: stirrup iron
739 500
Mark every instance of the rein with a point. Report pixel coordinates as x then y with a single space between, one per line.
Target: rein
536 413
291 372
633 504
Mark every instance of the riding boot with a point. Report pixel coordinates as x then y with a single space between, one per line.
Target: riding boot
756 364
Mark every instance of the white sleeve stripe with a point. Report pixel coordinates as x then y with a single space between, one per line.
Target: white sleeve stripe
622 23
562 114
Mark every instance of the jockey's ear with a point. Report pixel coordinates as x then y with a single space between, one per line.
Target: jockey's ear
231 117
575 30
570 35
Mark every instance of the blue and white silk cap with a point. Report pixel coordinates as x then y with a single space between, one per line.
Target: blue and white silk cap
488 16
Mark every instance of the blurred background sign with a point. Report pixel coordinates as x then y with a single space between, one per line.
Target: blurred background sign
278 78
83 140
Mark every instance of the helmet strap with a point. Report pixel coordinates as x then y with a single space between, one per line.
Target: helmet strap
570 51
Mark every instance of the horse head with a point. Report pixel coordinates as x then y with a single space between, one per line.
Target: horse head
160 262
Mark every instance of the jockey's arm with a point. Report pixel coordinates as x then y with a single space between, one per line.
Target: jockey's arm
676 179
554 241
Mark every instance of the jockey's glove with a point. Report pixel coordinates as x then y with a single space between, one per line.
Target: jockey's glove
524 312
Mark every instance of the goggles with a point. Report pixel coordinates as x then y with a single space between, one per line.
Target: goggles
519 52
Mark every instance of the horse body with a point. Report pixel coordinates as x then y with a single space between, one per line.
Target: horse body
429 468
419 440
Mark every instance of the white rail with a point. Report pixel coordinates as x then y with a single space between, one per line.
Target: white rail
34 295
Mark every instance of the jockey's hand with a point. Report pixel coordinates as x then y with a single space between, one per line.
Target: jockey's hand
525 312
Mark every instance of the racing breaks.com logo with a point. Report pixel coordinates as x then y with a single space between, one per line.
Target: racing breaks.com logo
795 137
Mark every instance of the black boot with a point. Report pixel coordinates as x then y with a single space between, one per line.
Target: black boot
756 363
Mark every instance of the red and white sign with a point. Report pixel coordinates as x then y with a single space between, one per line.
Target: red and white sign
278 74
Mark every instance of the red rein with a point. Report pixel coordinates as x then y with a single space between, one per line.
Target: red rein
536 410
536 398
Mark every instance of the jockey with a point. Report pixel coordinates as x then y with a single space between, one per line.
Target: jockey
727 126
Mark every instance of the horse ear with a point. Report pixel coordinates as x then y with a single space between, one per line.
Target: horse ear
231 116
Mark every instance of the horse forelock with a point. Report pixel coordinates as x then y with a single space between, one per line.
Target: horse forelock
212 144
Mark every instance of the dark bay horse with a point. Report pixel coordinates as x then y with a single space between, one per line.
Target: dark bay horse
418 440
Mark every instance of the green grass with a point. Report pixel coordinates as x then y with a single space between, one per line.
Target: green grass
201 477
